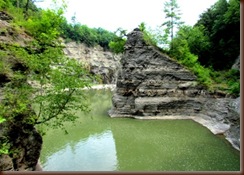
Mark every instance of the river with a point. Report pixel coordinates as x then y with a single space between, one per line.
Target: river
100 143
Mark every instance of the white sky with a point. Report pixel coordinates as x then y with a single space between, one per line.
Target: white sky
128 14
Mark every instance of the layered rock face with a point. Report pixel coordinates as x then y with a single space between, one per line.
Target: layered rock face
151 85
100 62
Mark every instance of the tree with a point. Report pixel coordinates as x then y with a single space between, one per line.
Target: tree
59 77
4 4
222 26
197 41
58 80
117 44
26 5
104 37
172 12
142 26
181 52
84 34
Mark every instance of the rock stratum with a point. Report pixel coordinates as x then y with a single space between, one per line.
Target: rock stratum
100 62
151 85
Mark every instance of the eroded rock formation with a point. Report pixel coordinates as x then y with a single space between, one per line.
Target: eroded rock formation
100 62
151 85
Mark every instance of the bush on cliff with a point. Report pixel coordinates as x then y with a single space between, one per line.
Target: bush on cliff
84 34
181 51
118 42
191 40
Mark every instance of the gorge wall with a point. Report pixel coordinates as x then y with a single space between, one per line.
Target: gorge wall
100 62
151 85
24 141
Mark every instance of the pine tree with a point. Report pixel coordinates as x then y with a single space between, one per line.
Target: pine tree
172 12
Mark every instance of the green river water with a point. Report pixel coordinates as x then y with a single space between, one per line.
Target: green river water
100 143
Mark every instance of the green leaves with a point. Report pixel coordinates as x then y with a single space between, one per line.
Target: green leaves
172 12
188 43
39 85
84 34
2 119
45 27
118 43
117 46
4 149
4 4
232 15
45 87
222 27
60 92
181 51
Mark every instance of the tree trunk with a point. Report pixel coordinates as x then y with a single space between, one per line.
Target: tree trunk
26 9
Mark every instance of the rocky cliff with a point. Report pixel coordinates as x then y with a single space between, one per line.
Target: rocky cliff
151 85
24 141
100 62
25 147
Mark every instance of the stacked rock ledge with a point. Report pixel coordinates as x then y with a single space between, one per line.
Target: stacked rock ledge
151 85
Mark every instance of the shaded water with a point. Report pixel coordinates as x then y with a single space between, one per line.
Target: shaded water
100 143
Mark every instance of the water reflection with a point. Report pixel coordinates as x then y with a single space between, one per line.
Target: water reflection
95 153
100 143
